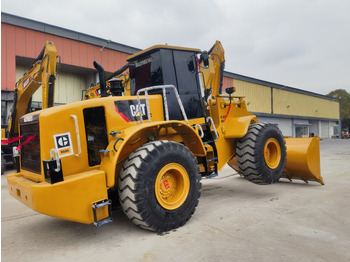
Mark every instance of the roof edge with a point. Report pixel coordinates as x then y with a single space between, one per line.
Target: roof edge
274 85
294 117
158 47
66 33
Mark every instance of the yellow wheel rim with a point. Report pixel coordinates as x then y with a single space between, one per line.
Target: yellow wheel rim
172 186
272 153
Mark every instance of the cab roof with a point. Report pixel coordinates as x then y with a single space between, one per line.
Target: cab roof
155 48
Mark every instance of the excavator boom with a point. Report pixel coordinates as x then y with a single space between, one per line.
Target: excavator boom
42 74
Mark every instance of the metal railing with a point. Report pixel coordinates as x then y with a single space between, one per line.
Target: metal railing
165 102
211 121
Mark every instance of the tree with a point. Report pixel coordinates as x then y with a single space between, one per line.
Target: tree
344 98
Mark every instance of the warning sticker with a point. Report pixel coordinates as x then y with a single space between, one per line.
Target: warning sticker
26 82
63 143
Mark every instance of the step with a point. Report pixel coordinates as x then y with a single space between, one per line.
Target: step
208 142
212 175
100 204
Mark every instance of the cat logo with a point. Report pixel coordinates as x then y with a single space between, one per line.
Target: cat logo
130 110
63 143
136 109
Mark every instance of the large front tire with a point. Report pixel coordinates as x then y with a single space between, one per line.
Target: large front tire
159 186
261 154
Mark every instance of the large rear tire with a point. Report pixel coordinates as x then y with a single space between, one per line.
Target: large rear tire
261 154
159 186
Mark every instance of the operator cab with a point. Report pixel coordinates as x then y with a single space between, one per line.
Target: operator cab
168 65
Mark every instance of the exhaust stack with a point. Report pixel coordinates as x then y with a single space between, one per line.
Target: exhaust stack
102 78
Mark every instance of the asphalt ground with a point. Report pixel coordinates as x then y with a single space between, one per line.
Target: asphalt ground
234 221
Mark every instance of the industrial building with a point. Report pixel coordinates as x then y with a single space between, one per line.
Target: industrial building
297 112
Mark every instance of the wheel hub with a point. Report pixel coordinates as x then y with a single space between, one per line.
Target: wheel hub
272 153
172 186
168 185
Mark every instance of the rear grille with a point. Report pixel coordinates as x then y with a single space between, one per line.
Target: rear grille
30 153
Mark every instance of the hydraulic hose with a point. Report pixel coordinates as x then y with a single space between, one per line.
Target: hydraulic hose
119 71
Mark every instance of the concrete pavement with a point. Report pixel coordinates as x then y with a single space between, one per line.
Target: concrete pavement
235 221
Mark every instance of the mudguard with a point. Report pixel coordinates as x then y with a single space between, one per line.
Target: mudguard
133 137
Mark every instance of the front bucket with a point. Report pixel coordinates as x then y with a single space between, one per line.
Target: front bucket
303 159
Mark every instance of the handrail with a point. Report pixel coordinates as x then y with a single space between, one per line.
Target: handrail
77 133
165 101
212 123
200 130
57 158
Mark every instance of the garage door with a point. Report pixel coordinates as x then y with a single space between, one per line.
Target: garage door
325 129
68 86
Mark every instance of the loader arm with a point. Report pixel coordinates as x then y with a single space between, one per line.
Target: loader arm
232 121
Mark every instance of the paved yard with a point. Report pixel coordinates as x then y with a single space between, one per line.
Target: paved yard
235 221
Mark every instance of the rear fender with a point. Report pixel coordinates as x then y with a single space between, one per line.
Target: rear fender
123 144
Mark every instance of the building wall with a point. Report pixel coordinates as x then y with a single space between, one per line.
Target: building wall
296 112
291 103
258 97
265 99
314 128
68 88
286 126
23 42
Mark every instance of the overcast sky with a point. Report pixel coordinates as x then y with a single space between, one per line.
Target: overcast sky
301 43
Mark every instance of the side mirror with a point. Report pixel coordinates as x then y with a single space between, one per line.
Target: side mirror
204 58
230 91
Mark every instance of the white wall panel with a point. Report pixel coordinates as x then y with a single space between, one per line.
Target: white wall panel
68 86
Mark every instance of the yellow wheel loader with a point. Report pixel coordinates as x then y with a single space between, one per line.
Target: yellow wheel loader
150 145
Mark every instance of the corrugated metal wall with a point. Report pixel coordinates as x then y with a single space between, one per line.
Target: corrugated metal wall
291 103
258 99
17 41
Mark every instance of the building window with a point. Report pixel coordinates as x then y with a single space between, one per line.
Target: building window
302 131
